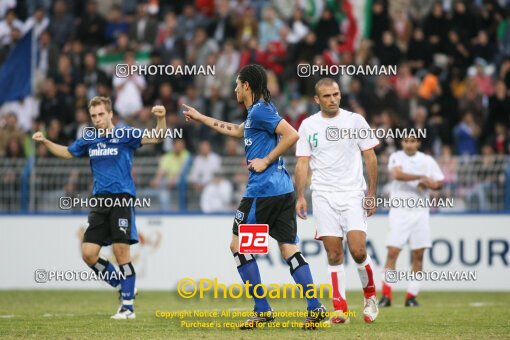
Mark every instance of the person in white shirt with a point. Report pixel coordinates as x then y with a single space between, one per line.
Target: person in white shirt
7 25
205 164
39 22
339 190
217 195
129 88
414 175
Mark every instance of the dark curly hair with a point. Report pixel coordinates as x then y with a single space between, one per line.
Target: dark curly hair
255 75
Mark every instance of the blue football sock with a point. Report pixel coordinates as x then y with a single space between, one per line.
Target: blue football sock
300 271
109 274
127 285
249 271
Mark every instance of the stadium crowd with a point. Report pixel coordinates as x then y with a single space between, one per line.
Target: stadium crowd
452 57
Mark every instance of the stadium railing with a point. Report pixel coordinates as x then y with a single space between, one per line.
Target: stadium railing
475 184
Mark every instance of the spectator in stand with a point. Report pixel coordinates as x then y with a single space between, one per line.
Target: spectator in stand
188 22
463 21
269 29
168 42
419 53
405 86
387 52
499 108
251 53
332 54
217 195
14 149
115 25
55 132
200 48
248 27
299 28
226 67
435 27
81 121
500 140
458 51
53 104
61 24
466 136
205 164
167 98
327 27
380 21
91 75
482 75
430 87
128 91
484 48
144 28
48 55
222 26
91 26
472 101
7 25
15 36
402 27
295 111
9 130
39 22
169 172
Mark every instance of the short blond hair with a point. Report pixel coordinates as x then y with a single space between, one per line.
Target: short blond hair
97 100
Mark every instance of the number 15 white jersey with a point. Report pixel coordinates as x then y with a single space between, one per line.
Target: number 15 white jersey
335 159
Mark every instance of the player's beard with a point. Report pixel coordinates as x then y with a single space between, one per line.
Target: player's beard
329 111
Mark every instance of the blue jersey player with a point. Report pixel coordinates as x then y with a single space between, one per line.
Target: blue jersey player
111 161
269 197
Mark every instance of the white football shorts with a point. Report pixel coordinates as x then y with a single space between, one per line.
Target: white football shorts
409 226
338 212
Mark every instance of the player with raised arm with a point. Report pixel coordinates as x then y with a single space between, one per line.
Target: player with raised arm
111 161
338 191
269 197
414 175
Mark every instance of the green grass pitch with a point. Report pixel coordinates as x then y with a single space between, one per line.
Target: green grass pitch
86 315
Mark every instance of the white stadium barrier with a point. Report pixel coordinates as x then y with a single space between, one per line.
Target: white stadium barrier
197 246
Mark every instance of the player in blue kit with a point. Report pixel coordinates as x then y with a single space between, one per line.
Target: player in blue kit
269 197
111 150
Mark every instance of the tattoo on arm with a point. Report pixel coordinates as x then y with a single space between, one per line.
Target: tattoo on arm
224 125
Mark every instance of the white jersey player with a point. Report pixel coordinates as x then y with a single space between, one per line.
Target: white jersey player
338 190
414 174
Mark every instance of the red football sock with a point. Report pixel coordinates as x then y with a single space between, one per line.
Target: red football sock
386 290
339 302
409 295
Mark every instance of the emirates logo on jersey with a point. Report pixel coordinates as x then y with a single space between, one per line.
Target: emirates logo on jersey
102 150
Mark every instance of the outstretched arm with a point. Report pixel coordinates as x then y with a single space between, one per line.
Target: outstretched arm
225 128
58 150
